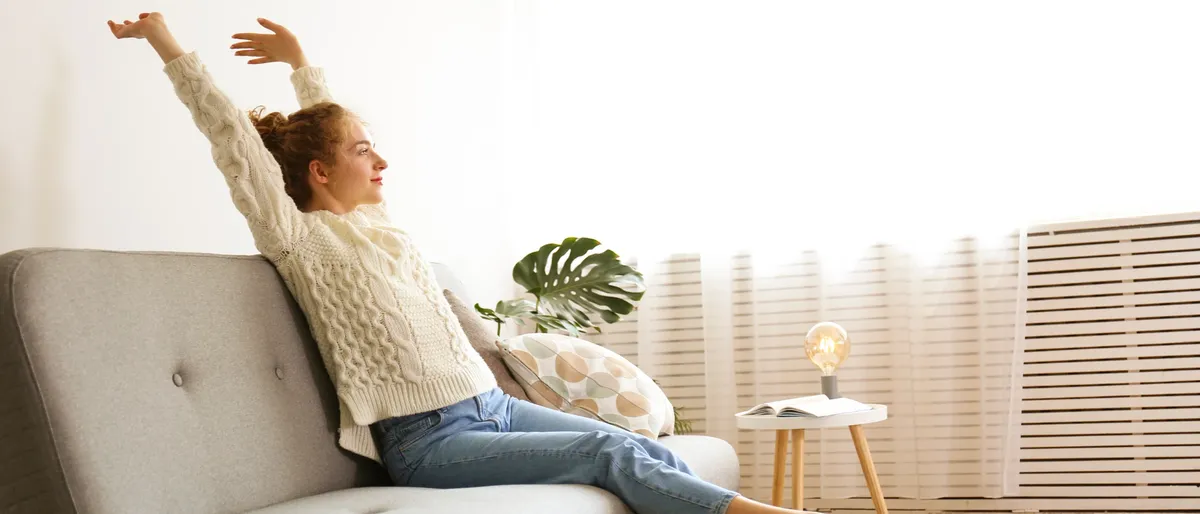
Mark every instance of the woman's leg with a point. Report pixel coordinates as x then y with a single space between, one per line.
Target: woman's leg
604 459
529 417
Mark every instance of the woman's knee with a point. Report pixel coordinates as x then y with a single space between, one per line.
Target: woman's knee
607 443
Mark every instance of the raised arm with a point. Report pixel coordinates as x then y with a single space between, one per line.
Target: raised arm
254 178
281 45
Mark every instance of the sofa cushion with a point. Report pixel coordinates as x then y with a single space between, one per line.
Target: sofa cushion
484 342
710 458
162 382
579 377
506 499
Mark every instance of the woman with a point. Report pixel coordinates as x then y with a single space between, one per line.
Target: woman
413 394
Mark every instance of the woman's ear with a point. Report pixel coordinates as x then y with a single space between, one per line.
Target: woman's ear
318 172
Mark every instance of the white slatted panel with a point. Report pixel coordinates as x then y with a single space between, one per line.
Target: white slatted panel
1110 387
1111 380
771 315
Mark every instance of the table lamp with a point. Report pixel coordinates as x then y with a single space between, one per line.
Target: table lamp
827 345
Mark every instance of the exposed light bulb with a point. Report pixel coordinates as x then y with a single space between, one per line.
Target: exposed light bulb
827 345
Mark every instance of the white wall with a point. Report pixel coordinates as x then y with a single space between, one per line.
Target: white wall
840 124
96 151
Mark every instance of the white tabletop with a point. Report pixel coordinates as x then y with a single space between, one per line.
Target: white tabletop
877 413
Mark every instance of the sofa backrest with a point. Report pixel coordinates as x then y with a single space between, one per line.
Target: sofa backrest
162 382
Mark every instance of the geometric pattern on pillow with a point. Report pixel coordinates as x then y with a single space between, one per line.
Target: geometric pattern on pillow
580 377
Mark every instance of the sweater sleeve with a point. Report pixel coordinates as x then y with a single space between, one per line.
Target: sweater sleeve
309 83
311 90
254 178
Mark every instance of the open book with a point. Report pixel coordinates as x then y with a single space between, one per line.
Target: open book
817 406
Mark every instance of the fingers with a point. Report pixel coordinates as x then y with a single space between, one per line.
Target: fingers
274 27
143 16
262 60
246 44
251 53
118 29
250 36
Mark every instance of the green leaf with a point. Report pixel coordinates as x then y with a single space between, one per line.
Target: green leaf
572 283
488 314
515 310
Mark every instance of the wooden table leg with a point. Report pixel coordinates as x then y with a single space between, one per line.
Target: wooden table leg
781 440
798 469
868 467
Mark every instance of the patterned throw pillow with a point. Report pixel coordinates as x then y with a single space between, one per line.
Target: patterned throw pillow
583 378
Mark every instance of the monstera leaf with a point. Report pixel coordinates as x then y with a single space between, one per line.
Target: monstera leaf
572 284
521 309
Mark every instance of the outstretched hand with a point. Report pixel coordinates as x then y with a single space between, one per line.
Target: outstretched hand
147 23
281 46
153 28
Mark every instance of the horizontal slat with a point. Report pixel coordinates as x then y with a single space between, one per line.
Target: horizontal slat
1100 341
1118 300
1189 228
1115 478
1116 313
1073 466
1120 452
1111 415
1142 493
1146 325
1083 441
1117 261
1122 248
1086 379
1107 224
1097 366
1117 275
1120 352
1123 402
1149 427
1149 286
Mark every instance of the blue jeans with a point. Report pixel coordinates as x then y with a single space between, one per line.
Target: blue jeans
495 439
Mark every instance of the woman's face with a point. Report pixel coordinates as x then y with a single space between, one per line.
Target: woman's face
356 178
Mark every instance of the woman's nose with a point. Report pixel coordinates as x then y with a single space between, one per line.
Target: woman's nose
381 165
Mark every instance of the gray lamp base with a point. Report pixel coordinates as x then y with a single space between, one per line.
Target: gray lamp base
829 386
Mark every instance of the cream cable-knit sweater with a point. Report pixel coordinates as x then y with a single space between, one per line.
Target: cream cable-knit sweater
388 338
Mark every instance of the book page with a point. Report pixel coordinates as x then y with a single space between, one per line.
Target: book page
832 407
799 403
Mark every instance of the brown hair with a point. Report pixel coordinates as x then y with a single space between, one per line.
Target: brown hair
313 133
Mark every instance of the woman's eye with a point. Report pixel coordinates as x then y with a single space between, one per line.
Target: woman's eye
362 152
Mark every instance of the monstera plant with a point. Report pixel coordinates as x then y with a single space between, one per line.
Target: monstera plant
572 285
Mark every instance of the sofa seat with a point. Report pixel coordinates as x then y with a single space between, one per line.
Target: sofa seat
503 499
714 460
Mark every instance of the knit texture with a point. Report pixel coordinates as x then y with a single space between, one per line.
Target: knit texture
386 334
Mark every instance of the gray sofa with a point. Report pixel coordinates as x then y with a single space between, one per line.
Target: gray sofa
135 382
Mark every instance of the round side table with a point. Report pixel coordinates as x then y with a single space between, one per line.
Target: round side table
797 426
